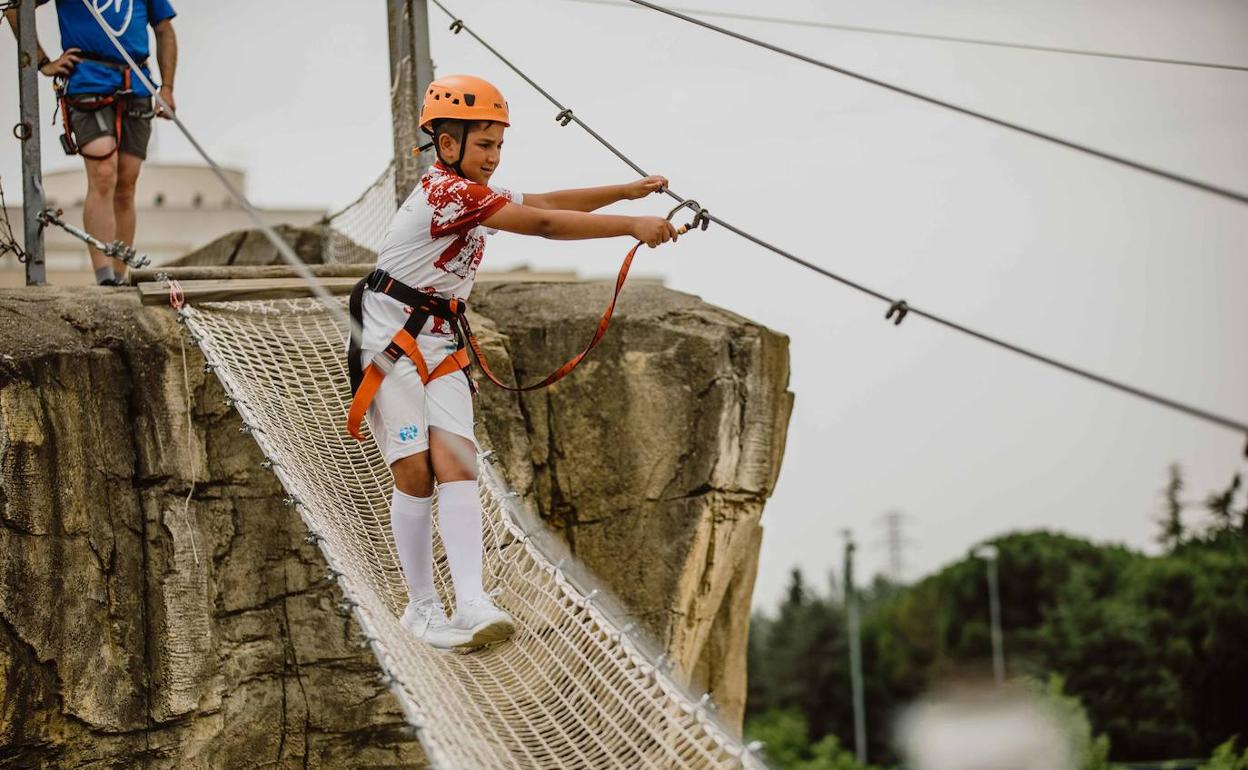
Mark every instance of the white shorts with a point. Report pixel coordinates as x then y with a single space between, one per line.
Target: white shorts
405 408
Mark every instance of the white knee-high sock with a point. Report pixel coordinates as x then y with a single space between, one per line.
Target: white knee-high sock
459 521
411 521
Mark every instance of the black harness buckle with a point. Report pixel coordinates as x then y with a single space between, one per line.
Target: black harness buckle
376 279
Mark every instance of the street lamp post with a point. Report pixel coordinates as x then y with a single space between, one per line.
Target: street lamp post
855 652
991 555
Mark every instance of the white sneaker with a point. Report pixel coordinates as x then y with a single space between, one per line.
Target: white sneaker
427 620
483 621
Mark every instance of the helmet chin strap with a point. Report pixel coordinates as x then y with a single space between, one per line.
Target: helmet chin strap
457 166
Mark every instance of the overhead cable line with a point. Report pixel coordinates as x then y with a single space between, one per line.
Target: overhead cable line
931 36
898 308
1223 192
283 249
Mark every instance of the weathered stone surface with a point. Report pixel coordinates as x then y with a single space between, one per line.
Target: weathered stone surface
159 607
655 457
249 248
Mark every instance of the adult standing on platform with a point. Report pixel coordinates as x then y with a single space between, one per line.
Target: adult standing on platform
108 113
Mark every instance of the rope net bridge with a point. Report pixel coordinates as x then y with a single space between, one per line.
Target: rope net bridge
574 687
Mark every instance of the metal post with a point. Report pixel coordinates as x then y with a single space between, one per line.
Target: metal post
27 130
855 652
411 72
990 554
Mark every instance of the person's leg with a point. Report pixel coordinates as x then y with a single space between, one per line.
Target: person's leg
459 521
98 217
136 134
411 522
459 510
397 421
128 167
95 133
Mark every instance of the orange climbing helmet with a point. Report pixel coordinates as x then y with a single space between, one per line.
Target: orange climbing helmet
462 97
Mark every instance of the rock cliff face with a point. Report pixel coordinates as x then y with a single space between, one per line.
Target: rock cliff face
138 629
159 606
654 458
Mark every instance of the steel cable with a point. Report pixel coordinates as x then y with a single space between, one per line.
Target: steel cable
1197 184
931 36
896 305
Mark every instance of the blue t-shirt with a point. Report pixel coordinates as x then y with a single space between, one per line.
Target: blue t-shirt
128 19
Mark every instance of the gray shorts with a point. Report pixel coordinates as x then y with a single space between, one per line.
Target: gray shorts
136 123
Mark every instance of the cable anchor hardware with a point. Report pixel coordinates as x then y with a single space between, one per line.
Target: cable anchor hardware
22 131
898 308
564 117
457 26
117 249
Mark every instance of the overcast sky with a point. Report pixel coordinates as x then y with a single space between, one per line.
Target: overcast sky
1132 276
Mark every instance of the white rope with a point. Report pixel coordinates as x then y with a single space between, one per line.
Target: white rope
574 688
190 435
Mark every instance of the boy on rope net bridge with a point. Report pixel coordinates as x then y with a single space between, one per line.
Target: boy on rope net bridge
409 369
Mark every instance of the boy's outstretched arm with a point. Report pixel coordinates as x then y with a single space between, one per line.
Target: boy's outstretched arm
577 225
594 198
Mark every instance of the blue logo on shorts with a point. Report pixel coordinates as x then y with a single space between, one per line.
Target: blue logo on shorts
409 433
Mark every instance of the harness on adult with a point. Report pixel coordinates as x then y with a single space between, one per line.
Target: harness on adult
366 381
122 100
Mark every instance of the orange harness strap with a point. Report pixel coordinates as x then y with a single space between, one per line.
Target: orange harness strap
404 343
374 374
604 322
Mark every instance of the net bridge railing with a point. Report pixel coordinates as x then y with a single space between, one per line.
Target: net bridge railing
576 687
354 234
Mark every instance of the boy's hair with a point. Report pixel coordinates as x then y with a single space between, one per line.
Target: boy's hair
457 130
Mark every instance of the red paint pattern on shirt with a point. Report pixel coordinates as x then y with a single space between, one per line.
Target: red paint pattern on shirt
459 206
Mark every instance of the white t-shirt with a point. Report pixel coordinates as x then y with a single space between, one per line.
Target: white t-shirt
434 244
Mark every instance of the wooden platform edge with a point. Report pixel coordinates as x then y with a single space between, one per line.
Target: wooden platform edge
231 289
221 273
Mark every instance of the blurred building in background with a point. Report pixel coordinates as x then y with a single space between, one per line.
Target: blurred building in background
180 208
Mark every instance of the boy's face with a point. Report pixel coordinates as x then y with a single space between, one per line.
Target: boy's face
483 153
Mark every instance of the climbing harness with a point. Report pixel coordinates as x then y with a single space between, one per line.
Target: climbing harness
122 101
365 382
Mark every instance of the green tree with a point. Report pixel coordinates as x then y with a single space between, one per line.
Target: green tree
1225 757
786 743
1153 647
1091 752
1172 529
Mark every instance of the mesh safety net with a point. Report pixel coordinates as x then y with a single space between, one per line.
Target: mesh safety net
574 687
355 234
